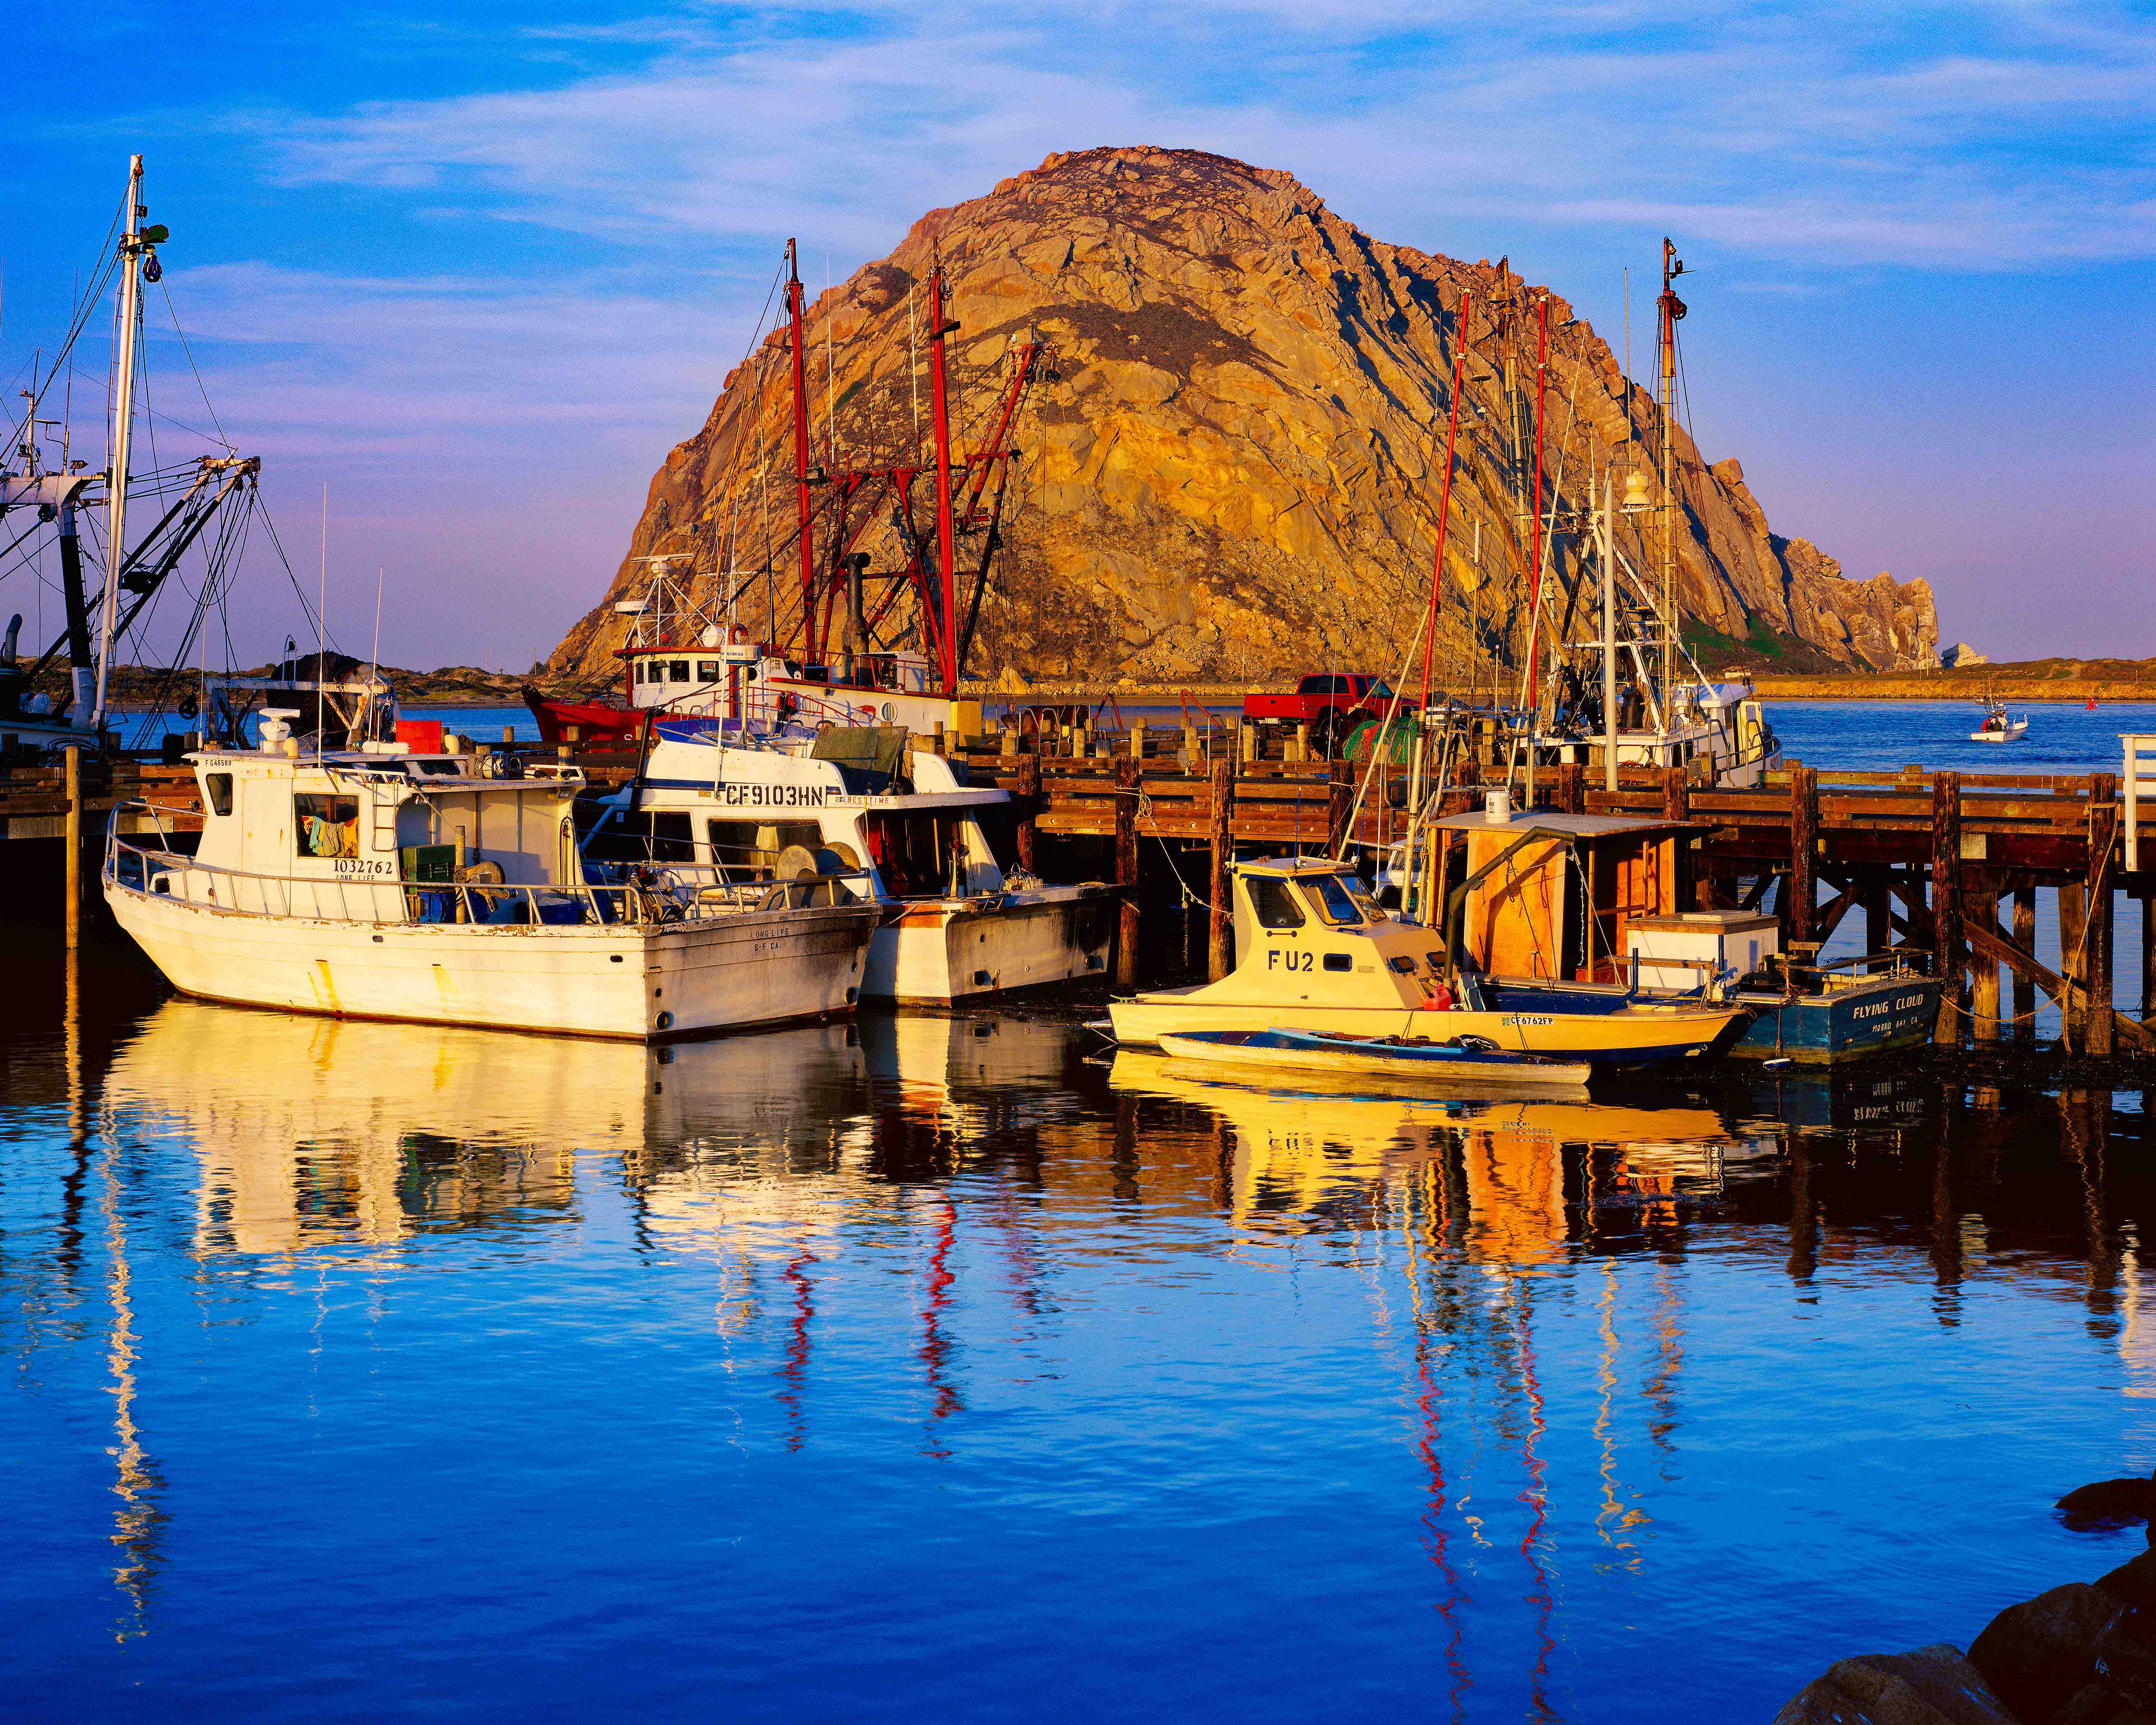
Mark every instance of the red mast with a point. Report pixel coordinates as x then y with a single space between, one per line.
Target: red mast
946 539
801 461
1444 496
1533 694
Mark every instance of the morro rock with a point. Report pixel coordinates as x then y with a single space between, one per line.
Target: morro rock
1231 469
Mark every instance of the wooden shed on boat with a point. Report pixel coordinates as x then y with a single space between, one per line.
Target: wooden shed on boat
1551 896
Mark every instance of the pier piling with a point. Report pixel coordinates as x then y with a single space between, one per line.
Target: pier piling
1220 948
74 831
1803 851
2025 985
1127 870
1983 909
1948 952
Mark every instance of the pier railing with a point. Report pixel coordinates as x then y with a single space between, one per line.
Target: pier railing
650 897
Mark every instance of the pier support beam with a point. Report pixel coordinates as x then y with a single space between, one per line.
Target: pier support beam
1946 948
2024 986
1029 800
1220 952
1126 871
1983 972
1803 851
1340 800
1878 908
73 848
2073 929
2103 835
2148 957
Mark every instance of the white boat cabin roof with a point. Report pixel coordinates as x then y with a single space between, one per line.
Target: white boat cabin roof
779 778
1564 826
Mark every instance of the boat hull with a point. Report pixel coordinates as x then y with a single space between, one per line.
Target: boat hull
592 722
646 982
1413 1065
1633 1037
956 949
1870 1018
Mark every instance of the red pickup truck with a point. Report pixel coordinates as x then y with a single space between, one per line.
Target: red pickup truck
1327 701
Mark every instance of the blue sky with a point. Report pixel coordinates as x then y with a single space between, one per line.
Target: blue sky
480 265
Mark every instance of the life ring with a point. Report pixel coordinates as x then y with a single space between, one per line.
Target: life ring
738 634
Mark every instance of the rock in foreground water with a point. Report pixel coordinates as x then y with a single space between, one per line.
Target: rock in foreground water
1932 1685
2108 1503
2038 1653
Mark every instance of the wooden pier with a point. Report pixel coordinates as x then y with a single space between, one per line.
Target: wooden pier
1933 861
1949 864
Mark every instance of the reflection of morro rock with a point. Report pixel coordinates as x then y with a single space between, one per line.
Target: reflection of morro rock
1233 472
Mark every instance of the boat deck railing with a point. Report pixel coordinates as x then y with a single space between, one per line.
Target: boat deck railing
647 896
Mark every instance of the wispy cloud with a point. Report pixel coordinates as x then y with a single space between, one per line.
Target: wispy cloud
1832 133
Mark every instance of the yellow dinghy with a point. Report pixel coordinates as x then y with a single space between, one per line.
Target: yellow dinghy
1315 952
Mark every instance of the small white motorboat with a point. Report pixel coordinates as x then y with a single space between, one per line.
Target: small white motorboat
1998 726
1416 1058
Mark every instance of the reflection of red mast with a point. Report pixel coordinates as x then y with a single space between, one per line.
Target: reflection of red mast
1427 1398
935 1346
801 458
1536 1496
794 1373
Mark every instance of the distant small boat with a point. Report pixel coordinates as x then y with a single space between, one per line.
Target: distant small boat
1998 727
1399 1057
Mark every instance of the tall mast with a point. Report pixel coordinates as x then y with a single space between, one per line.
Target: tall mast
1445 497
123 427
946 547
801 460
1531 693
1672 308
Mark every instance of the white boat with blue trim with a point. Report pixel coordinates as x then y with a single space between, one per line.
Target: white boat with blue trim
738 806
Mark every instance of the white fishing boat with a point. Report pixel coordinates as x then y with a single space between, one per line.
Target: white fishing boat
1999 724
450 888
713 805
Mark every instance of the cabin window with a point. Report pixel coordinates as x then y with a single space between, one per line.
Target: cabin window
1333 902
916 854
1274 905
219 787
748 849
1404 963
1372 910
1339 961
325 826
707 670
678 670
644 838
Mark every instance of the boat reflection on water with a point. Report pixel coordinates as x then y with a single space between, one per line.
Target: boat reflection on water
311 1132
961 1235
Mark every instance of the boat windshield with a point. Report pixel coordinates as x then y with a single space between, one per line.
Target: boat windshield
1273 903
1335 903
1365 902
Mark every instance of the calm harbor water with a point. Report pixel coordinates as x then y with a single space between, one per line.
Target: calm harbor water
949 1367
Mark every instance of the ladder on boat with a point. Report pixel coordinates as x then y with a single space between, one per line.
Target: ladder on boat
2136 781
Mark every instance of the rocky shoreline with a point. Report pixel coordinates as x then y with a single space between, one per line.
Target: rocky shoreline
2080 1654
2072 681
